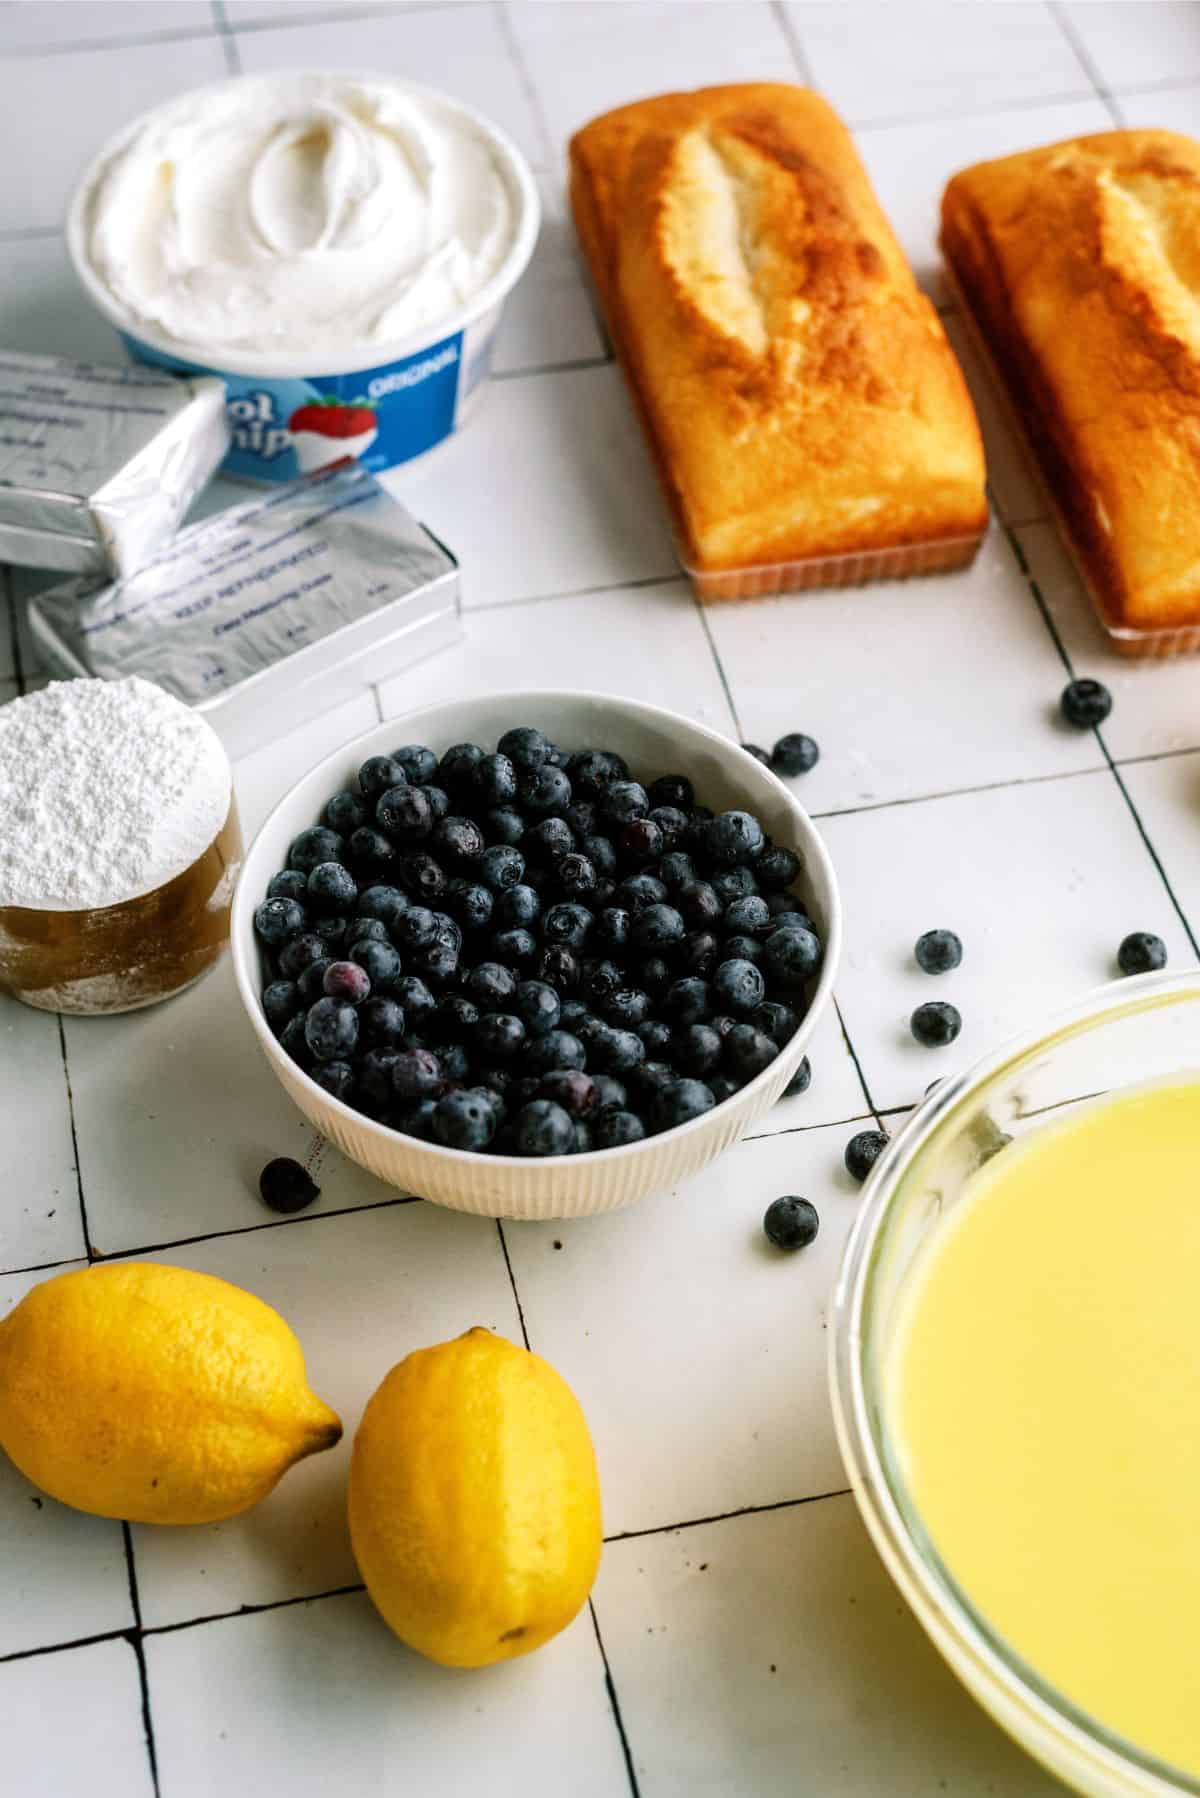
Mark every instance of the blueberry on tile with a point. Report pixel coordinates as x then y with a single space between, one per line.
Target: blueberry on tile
286 1186
794 754
791 1222
938 951
1142 953
1085 703
936 1023
800 1080
863 1151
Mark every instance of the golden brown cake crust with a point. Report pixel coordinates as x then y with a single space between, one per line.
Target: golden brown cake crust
1081 264
800 394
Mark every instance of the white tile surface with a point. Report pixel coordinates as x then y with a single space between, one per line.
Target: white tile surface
65 1573
154 1170
548 317
70 1719
1154 703
1175 108
367 1716
44 310
792 662
1041 882
688 1338
243 13
549 489
67 105
783 1642
43 24
361 1293
1133 42
586 57
1167 796
877 61
909 165
461 49
39 1218
581 642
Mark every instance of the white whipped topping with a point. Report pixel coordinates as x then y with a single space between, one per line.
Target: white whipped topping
299 213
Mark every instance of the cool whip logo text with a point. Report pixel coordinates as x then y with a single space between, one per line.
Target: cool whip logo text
414 374
256 425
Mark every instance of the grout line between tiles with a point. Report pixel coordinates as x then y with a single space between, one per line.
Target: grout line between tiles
1156 755
39 1267
312 1217
251 1610
512 1280
718 664
524 74
537 599
550 368
66 1068
1084 57
610 1686
142 40
28 233
989 786
34 1654
229 48
1168 84
852 1052
350 14
135 1641
855 1117
793 41
991 108
693 1523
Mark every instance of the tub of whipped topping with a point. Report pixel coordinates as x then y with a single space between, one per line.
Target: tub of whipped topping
121 846
337 248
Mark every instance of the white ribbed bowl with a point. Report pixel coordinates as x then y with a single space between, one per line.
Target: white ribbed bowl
654 742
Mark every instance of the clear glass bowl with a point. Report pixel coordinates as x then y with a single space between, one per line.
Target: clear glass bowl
1125 1035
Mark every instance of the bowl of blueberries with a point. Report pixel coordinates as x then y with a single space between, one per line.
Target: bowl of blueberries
539 954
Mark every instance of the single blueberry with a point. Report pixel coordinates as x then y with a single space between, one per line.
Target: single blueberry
501 867
289 883
416 928
571 1088
337 1079
310 983
438 964
601 853
525 746
730 884
688 1001
422 875
1142 953
548 841
416 1119
799 1082
650 1078
545 790
517 908
742 948
747 917
464 1121
791 1222
575 876
458 765
381 1022
936 1023
419 1004
776 868
347 980
593 771
456 1064
658 927
492 984
748 1051
538 1006
608 1090
380 962
698 902
374 1072
315 845
419 764
676 870
494 781
286 1186
617 1051
657 1038
333 932
794 754
779 1021
612 927
1085 703
439 801
671 822
567 923
679 1103
515 946
505 824
672 789
344 813
377 774
778 903
626 1008
331 1029
722 1085
300 952
369 853
791 954
581 1137
404 813
638 891
382 902
499 1035
294 1042
938 951
458 841
470 904
280 1001
573 1013
863 1151
624 801
553 1049
733 837
697 1050
543 1128
417 1074
332 888
583 817
613 1127
641 842
278 920
558 967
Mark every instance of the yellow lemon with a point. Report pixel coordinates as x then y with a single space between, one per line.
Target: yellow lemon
474 1502
154 1393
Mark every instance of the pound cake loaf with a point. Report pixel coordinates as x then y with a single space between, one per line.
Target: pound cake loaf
1081 265
799 392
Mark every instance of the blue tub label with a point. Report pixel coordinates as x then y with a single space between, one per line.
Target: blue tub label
283 428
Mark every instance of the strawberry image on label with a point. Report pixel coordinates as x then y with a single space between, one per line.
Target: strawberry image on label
328 430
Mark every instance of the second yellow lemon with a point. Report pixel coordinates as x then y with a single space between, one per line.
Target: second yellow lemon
474 1501
154 1393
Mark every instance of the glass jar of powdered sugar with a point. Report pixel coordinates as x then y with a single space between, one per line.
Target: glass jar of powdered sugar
119 846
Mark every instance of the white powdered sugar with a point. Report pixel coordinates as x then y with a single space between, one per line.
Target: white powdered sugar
107 790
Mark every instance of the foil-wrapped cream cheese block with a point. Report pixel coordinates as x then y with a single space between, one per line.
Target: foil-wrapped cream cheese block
99 465
267 613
